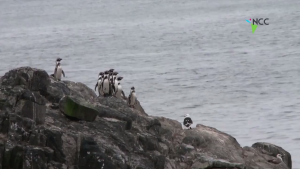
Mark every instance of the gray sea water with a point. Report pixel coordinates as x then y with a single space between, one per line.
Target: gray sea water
183 56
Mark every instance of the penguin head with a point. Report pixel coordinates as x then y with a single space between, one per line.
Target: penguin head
115 73
106 72
101 73
187 115
132 88
119 78
111 70
58 59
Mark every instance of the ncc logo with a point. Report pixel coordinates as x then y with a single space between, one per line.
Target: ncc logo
257 21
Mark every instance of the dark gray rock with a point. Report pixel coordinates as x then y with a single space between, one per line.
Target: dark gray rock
46 124
31 78
78 108
274 150
34 111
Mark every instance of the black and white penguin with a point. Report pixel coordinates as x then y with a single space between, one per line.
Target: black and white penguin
56 62
120 93
132 98
98 84
187 122
114 82
58 71
110 78
105 86
106 73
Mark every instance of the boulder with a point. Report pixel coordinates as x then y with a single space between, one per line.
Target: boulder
78 108
273 150
219 144
31 78
255 159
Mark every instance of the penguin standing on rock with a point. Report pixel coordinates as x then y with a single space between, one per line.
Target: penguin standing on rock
105 86
114 82
58 72
110 78
119 93
98 84
187 122
56 62
132 98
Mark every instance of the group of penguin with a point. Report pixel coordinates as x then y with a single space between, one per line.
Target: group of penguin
108 84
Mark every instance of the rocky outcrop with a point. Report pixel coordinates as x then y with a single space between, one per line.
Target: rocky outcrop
47 124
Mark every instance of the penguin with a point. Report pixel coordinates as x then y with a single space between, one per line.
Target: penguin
58 71
114 82
56 62
98 84
276 160
110 78
120 93
110 72
106 73
132 98
187 122
105 86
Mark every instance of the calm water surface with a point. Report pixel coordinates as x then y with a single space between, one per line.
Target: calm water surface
197 56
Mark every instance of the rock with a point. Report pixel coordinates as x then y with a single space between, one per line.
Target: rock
78 108
255 159
274 150
31 110
220 144
81 90
64 125
33 79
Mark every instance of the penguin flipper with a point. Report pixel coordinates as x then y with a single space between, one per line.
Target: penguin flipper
55 70
96 86
63 72
123 93
129 98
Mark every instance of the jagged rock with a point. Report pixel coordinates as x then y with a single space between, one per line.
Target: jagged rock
31 110
254 159
78 108
206 162
220 144
81 90
33 79
274 150
95 132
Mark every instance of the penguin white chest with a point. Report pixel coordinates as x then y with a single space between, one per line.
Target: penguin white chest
116 85
119 91
106 86
58 72
99 84
133 98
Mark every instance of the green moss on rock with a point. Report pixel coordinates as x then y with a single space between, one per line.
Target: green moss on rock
78 108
